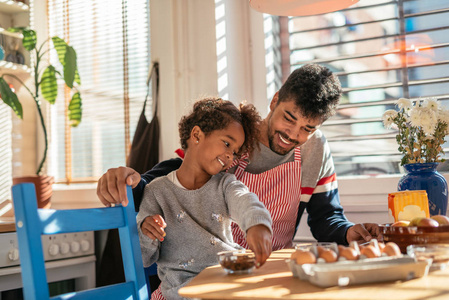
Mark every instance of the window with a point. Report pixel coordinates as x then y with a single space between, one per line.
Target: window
273 57
111 39
381 51
6 155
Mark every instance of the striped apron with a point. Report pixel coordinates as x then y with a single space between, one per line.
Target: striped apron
280 190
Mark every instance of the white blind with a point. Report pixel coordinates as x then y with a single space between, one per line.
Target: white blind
273 56
111 39
6 158
381 51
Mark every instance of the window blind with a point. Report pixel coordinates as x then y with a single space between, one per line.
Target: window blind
6 155
381 51
111 39
273 53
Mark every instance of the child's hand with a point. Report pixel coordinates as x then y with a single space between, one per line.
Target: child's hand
259 241
153 227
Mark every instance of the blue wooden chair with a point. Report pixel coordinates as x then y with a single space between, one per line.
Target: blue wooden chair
32 222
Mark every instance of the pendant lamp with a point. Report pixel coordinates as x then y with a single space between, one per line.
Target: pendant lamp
299 7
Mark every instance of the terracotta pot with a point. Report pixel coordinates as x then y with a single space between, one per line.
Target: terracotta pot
43 185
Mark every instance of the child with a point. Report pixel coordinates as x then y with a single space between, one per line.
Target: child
198 200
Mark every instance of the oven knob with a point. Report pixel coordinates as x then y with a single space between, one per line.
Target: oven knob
75 247
53 249
13 254
65 248
85 245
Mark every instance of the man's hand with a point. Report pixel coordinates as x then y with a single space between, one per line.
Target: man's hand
111 187
363 232
153 227
259 241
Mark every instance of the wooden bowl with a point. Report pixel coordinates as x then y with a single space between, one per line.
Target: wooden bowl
412 235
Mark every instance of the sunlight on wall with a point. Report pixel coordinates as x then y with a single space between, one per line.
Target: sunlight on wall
222 58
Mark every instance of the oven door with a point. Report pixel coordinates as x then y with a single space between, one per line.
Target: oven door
65 275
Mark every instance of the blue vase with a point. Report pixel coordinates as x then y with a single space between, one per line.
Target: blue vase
425 177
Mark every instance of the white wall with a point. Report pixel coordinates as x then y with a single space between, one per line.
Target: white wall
183 41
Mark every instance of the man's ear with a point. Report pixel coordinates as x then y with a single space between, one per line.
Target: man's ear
274 101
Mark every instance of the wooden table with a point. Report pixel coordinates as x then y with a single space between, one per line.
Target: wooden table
7 224
275 281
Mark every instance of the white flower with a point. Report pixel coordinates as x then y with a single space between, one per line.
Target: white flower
431 103
443 115
426 123
428 129
404 103
415 117
428 117
388 117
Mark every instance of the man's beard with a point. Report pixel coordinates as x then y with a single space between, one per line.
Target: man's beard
275 147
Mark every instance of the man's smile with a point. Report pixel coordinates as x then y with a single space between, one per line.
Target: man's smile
284 140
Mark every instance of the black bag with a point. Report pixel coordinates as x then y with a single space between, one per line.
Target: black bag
144 152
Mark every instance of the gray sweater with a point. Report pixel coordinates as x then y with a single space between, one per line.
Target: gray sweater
198 225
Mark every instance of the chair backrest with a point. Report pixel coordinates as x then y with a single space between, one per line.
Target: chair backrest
32 222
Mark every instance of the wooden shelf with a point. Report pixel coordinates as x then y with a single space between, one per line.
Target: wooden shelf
15 69
9 6
16 35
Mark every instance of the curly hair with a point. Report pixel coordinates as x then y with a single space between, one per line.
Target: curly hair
315 90
212 114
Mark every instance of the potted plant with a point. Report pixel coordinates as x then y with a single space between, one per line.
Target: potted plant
46 87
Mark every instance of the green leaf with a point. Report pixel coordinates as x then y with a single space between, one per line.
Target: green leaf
49 84
69 66
10 98
29 39
75 110
61 48
77 77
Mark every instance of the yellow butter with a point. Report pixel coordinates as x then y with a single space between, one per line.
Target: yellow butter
406 205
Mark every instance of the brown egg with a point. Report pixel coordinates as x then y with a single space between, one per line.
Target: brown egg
339 247
370 251
294 255
328 255
392 249
349 253
305 257
319 250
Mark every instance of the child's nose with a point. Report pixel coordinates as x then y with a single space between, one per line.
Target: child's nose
229 155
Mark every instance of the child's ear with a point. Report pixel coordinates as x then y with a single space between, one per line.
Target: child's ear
196 134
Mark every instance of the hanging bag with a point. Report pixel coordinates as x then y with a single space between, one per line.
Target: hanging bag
144 153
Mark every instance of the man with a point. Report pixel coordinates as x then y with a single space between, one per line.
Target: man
292 171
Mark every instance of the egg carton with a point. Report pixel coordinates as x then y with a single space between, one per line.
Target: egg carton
344 273
313 248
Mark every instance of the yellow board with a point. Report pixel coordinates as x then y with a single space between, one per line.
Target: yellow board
406 205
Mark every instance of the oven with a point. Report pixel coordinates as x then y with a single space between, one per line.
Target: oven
69 261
